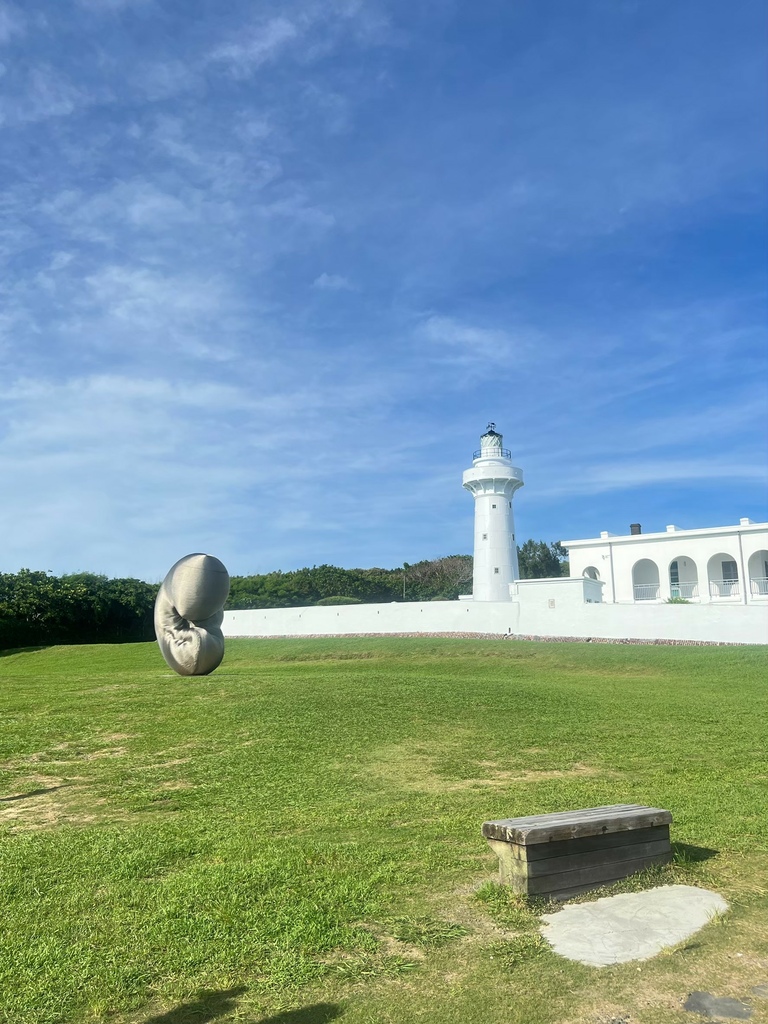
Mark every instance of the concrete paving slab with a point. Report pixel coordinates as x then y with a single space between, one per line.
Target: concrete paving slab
721 1007
630 926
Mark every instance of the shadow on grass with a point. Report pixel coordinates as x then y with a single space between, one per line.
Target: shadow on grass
207 1007
210 1005
8 651
32 792
320 1013
685 853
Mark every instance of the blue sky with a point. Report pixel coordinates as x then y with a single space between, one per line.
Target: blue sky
268 270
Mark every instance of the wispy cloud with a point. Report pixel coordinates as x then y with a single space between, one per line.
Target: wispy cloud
107 6
332 283
12 22
158 80
166 312
467 343
308 31
258 45
43 93
616 477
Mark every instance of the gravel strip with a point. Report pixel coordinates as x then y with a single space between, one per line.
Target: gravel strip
502 636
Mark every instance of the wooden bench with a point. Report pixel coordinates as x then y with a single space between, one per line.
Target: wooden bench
563 854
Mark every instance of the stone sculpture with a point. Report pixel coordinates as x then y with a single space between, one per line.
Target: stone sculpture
189 611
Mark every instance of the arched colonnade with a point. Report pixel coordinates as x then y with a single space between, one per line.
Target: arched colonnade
718 580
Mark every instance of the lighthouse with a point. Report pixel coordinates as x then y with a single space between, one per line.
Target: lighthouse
492 481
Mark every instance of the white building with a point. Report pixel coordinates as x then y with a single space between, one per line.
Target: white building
724 564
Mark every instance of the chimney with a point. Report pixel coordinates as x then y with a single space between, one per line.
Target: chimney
635 529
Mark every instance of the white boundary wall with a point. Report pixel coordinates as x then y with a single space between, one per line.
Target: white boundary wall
532 614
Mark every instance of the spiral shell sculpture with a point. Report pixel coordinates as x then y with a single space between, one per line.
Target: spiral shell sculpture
189 611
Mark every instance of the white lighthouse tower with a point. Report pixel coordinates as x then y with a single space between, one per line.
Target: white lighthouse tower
492 481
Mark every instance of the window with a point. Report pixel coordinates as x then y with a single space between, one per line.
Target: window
493 506
674 579
485 536
510 504
495 570
730 572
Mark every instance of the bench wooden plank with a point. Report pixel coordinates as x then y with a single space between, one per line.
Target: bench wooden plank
571 847
592 877
546 828
597 858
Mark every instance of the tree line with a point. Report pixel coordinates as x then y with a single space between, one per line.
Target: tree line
37 608
441 579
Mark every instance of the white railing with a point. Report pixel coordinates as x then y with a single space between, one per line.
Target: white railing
685 590
646 591
759 585
492 452
723 588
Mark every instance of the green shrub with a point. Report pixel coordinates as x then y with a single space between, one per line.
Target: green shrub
338 600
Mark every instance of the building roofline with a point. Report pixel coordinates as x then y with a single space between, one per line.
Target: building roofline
634 538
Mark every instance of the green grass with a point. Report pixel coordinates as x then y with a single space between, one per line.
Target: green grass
296 838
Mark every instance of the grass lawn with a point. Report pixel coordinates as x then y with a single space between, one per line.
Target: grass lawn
295 839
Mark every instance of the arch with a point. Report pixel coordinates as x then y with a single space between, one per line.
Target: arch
591 573
723 576
683 578
758 573
645 580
